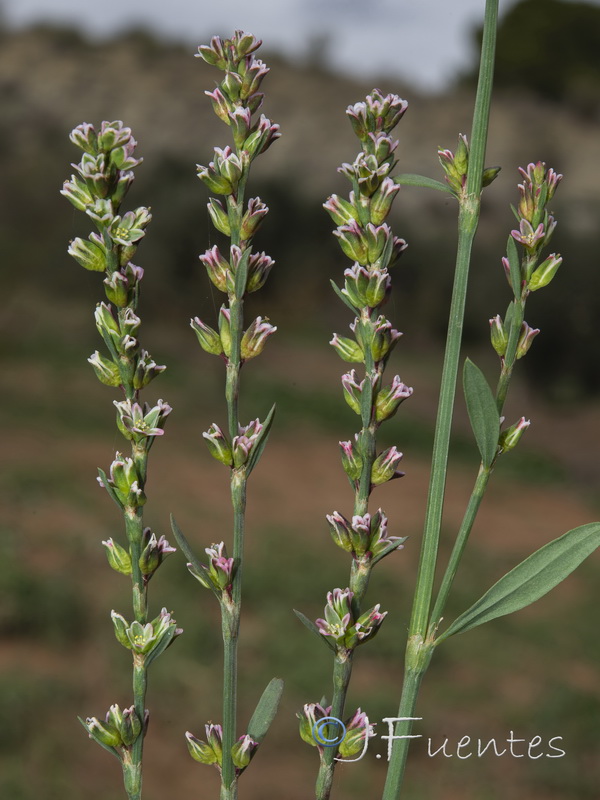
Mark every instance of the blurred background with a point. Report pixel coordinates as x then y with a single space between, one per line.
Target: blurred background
63 62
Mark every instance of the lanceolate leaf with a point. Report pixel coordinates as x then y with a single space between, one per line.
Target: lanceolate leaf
515 268
184 545
422 181
342 296
483 412
265 711
313 628
531 579
261 442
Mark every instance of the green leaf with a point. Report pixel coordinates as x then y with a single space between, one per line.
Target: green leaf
483 412
265 711
531 579
241 274
390 548
342 296
184 545
515 266
260 442
422 181
313 628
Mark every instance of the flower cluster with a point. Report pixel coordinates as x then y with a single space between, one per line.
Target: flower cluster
455 166
315 721
98 187
211 751
119 729
235 101
341 626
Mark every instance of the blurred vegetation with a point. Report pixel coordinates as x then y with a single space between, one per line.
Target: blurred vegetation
536 672
550 48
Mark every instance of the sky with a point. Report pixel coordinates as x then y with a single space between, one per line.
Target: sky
425 41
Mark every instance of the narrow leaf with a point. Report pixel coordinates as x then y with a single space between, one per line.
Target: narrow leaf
184 545
313 628
531 579
423 182
391 546
241 273
260 442
483 412
265 711
515 267
342 296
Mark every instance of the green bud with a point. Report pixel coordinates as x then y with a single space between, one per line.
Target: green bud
88 254
498 335
243 751
544 273
199 750
510 437
219 216
103 732
106 371
121 626
209 339
131 726
225 330
218 445
348 349
489 175
118 558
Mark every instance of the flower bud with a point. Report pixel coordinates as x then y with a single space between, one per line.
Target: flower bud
225 330
351 460
253 218
526 338
84 136
219 216
544 273
243 751
389 399
498 335
347 349
88 254
352 391
259 266
358 730
254 339
352 242
384 339
103 732
209 339
106 370
131 726
217 267
509 438
384 467
121 625
118 558
340 531
341 211
154 553
199 750
218 445
146 369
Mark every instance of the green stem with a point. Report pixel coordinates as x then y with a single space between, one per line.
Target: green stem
483 476
342 671
418 650
462 538
231 611
400 743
